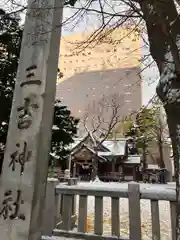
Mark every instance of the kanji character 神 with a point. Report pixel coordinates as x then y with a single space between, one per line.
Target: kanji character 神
21 158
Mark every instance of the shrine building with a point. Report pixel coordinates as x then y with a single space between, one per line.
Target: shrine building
116 159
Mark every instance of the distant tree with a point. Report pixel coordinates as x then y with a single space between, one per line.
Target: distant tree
64 130
121 128
99 120
150 125
10 43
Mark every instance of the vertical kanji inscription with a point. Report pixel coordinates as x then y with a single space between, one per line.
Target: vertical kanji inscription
18 157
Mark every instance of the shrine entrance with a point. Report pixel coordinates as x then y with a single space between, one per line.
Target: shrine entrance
82 159
85 172
85 169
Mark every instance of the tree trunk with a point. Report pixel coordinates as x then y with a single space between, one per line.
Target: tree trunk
163 26
161 155
144 155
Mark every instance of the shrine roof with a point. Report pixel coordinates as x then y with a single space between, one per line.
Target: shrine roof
101 157
109 148
109 156
75 143
116 147
153 166
133 159
106 154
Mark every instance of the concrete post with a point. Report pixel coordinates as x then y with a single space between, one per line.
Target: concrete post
51 207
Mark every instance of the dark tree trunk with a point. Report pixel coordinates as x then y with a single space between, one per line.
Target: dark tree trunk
161 155
163 26
144 160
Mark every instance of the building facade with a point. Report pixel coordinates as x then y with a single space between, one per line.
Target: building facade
110 69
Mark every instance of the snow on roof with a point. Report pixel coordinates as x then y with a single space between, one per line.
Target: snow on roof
81 139
54 155
75 143
93 151
109 156
106 154
116 147
153 166
55 127
136 159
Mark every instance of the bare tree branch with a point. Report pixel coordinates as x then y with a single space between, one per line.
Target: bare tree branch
100 123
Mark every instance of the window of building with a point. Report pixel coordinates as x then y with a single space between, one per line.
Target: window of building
127 71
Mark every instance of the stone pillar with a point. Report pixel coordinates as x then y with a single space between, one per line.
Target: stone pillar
67 173
50 211
74 170
113 167
69 162
134 173
121 171
25 166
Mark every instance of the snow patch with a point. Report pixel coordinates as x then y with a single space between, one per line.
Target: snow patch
96 181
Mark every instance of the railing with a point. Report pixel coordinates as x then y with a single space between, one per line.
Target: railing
85 177
57 172
60 217
111 177
156 177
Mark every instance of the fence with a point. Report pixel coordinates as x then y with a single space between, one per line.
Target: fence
60 217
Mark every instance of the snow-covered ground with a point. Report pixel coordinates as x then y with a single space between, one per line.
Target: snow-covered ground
165 223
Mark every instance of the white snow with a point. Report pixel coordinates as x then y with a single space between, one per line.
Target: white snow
52 154
96 181
116 185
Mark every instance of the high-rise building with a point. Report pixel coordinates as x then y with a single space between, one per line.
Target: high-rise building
108 70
